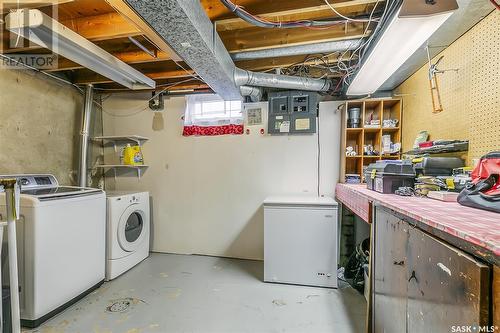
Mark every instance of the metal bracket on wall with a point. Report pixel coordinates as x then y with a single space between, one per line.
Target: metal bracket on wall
437 105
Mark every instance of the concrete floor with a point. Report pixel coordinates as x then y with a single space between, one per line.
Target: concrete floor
177 293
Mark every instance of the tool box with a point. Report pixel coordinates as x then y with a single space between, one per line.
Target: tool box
386 176
438 166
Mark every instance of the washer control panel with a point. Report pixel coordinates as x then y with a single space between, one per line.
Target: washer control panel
34 181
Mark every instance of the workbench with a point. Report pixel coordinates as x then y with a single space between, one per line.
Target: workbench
427 257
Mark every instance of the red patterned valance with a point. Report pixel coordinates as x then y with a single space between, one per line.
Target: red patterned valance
212 130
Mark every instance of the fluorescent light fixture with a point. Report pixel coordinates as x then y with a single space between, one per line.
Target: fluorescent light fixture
41 29
405 33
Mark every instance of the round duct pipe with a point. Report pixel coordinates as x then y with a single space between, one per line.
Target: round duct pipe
315 48
248 78
255 93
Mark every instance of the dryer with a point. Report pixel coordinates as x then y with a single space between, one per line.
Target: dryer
128 228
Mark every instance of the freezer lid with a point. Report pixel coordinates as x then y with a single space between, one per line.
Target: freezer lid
302 200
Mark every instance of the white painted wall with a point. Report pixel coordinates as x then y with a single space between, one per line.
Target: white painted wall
207 192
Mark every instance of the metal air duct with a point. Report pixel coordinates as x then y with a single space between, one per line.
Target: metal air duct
184 25
244 77
255 93
84 136
315 48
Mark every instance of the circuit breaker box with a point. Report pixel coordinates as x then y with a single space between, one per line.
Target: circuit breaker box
292 112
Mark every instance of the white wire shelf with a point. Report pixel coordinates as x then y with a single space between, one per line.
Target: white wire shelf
123 138
138 168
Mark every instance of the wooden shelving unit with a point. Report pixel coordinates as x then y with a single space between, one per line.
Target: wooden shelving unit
371 109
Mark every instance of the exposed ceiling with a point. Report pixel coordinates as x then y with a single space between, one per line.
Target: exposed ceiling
99 22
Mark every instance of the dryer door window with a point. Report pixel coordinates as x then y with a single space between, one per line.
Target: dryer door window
133 227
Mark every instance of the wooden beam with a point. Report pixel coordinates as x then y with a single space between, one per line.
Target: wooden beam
103 27
143 26
94 28
161 84
132 57
217 11
94 78
348 8
262 38
156 71
82 8
8 5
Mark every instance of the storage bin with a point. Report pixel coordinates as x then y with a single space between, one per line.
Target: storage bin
387 176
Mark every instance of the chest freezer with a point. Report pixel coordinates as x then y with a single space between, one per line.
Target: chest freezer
300 240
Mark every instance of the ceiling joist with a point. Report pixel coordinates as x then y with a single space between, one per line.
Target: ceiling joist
8 5
109 23
94 28
157 71
256 39
131 57
143 26
348 8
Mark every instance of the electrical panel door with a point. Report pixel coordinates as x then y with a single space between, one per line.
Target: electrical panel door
292 112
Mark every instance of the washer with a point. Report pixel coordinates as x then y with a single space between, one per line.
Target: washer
128 227
61 245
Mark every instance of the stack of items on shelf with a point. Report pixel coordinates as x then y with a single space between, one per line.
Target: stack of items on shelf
423 146
371 122
388 147
437 174
369 150
441 146
352 178
350 151
390 123
420 177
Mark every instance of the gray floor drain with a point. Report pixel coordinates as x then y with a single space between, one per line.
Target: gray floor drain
120 305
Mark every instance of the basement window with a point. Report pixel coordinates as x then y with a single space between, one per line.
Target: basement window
210 115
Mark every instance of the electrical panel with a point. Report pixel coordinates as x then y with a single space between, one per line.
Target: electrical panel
292 112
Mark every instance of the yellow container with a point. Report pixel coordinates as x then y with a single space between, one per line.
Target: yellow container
128 155
132 155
